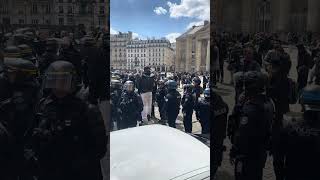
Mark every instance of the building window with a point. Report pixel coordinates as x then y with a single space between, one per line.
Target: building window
60 1
102 1
101 10
20 12
48 9
60 9
48 21
69 10
61 21
35 21
69 1
21 21
70 20
82 9
34 9
90 9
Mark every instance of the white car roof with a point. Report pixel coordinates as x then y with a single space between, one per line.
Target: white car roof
156 152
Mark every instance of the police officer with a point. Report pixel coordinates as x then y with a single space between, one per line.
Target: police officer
116 90
26 53
160 95
172 103
95 70
130 106
248 152
218 128
49 56
203 110
278 89
18 99
68 53
303 137
70 139
187 103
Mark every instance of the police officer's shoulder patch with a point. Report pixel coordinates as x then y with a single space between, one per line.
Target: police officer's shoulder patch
244 120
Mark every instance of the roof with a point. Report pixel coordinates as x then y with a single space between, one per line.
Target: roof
156 152
191 31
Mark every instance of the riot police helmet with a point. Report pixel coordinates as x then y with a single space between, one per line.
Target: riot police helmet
206 93
129 86
12 52
187 88
26 52
60 77
19 70
171 85
116 84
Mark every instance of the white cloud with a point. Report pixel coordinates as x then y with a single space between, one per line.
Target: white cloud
113 31
195 23
199 9
160 10
135 35
172 37
138 36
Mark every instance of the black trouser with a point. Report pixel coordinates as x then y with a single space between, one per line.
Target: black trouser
160 106
172 121
278 155
187 121
249 169
205 127
302 80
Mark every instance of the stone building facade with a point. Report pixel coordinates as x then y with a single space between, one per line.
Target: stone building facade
281 16
193 49
69 13
156 53
118 50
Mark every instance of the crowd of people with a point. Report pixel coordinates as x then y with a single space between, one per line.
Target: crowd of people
134 95
261 123
51 94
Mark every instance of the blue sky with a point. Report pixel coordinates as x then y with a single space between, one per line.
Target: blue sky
157 18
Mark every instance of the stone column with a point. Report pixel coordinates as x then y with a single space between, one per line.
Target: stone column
208 57
188 53
198 54
313 24
281 15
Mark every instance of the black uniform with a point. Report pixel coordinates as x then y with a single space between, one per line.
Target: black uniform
302 148
187 103
115 98
172 107
218 129
203 110
96 74
70 139
130 106
17 113
160 95
252 137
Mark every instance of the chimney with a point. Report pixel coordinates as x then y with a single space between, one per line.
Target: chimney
206 22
